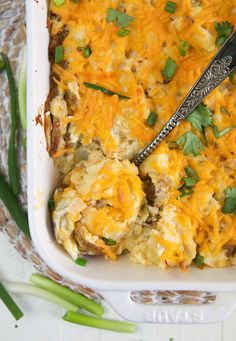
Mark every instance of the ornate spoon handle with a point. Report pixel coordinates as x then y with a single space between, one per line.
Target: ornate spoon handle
219 68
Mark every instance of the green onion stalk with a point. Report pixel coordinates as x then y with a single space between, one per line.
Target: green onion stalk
10 303
116 326
77 299
13 207
12 154
22 90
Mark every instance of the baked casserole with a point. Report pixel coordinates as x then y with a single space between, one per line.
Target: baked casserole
119 69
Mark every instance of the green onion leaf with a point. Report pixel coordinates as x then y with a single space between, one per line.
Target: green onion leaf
2 64
67 294
170 7
86 51
152 118
59 54
169 69
51 204
109 242
117 326
199 260
13 207
27 289
183 48
81 261
104 90
190 144
9 303
58 2
12 150
122 19
123 32
230 200
22 90
76 1
217 133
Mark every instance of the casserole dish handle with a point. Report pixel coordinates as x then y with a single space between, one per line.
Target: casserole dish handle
217 311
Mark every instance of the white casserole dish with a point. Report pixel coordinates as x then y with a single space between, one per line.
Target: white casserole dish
114 280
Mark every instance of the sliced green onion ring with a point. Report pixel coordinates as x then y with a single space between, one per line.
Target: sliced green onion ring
170 7
59 54
169 69
152 118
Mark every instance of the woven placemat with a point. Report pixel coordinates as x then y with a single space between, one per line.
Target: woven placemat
12 40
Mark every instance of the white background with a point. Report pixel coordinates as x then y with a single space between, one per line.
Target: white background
42 320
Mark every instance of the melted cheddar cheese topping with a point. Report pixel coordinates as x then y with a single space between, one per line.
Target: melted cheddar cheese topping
166 231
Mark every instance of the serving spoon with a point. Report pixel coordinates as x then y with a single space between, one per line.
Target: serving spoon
223 63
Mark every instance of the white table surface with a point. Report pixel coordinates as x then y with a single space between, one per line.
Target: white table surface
42 320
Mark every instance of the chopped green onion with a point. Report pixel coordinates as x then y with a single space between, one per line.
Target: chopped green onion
224 29
67 294
152 118
27 289
104 90
117 326
12 205
123 32
169 69
76 1
189 182
170 7
185 191
86 52
191 172
183 48
220 41
9 303
58 2
12 153
217 133
22 90
224 110
199 260
109 242
59 54
232 77
81 261
51 204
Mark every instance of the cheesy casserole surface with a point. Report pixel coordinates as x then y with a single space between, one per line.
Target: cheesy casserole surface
119 69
